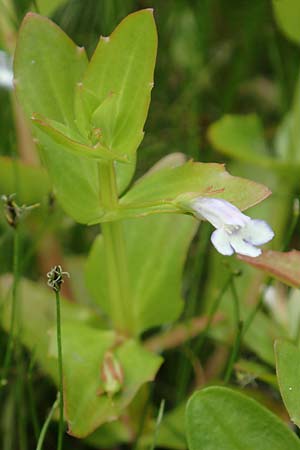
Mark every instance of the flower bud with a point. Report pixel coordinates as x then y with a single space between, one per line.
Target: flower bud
111 374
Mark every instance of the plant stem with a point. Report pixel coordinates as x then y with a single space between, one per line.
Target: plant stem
158 422
211 314
46 424
239 332
60 370
10 344
115 254
234 353
31 398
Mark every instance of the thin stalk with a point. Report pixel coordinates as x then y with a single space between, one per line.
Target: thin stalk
197 272
252 314
157 424
185 368
239 330
236 305
211 315
60 370
293 224
10 344
47 423
21 400
234 353
142 421
115 254
31 398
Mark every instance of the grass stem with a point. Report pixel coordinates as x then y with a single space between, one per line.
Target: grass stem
47 423
60 370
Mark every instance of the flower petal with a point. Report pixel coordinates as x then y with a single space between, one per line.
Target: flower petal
220 240
219 212
242 247
257 232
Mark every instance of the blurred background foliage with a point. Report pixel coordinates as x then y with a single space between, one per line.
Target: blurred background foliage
215 57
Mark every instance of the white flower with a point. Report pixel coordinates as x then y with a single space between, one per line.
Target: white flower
235 232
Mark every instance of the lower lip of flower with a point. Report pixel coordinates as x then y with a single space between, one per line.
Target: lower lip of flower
230 229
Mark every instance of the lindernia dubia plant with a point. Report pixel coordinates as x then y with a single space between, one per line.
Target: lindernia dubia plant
88 119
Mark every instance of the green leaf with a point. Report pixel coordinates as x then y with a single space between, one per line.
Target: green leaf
155 294
220 418
287 15
250 371
47 7
38 316
29 182
83 345
47 67
285 266
241 137
121 76
83 353
72 141
41 47
103 119
288 374
75 180
159 191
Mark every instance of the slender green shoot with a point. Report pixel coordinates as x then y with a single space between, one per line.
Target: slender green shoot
158 422
239 331
234 353
47 423
31 398
293 224
212 312
60 369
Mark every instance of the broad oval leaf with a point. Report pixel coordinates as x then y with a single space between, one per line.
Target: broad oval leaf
288 374
155 294
47 67
241 137
202 179
287 15
220 418
84 347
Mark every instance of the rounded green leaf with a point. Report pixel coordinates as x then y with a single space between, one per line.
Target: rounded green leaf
155 295
47 67
287 15
220 418
288 374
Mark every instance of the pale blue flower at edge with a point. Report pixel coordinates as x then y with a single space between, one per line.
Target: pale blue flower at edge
235 232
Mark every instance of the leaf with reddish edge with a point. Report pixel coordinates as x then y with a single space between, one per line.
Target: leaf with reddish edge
285 266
